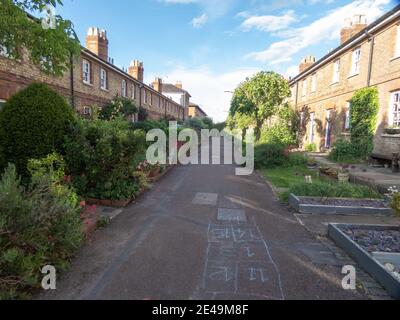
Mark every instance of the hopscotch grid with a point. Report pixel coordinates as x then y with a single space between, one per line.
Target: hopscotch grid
272 261
207 255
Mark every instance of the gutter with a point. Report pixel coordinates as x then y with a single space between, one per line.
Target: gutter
71 67
371 55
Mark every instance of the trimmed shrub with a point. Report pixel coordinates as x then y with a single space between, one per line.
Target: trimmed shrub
311 147
395 204
269 155
330 189
102 157
39 225
32 125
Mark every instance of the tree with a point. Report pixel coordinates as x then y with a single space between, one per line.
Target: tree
260 97
50 48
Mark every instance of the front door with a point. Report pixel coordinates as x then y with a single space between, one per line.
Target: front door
328 129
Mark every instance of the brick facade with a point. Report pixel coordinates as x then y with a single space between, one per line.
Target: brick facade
15 75
317 91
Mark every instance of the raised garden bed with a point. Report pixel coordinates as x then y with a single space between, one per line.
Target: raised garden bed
348 206
375 248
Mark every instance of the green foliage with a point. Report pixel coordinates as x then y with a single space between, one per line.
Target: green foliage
331 189
395 204
344 151
269 155
258 99
198 123
33 124
50 49
285 128
142 114
148 125
364 112
102 157
285 176
39 225
118 107
311 147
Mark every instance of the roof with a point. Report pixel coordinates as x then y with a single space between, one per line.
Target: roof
392 14
194 105
170 88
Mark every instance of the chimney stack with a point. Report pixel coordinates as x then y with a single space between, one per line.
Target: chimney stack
157 85
136 70
178 84
97 42
306 63
352 27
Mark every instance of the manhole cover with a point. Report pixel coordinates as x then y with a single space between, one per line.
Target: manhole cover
236 215
206 199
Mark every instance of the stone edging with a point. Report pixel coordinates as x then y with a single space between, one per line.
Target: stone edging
363 258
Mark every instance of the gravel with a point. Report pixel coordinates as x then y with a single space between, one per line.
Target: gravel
375 240
364 203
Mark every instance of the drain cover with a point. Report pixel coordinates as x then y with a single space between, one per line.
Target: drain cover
205 199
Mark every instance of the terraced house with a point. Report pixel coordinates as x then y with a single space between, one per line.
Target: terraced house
93 80
369 55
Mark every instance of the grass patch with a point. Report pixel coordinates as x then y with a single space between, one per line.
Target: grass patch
332 189
284 177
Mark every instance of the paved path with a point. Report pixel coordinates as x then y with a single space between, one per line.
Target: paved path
204 233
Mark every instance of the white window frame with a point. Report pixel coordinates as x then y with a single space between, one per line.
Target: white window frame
123 88
1 103
312 127
397 52
347 119
314 82
336 71
393 104
86 73
304 88
87 111
103 79
355 61
145 97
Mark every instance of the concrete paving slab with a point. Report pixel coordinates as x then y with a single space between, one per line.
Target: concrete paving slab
205 199
231 215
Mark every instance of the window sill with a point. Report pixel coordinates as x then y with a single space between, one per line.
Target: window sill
88 84
335 83
104 89
353 75
395 58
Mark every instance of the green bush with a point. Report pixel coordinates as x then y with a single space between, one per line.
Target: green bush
363 114
102 157
39 225
269 155
343 151
118 107
395 204
297 159
33 124
311 147
331 189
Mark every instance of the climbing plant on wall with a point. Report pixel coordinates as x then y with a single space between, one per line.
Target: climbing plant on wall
364 112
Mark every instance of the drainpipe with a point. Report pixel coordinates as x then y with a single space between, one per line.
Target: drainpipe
71 66
140 98
371 55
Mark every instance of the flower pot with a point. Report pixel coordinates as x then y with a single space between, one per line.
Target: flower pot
392 130
343 177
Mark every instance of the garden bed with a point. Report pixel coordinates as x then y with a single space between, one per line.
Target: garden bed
376 248
348 206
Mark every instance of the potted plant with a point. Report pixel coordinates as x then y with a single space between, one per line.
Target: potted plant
343 175
392 130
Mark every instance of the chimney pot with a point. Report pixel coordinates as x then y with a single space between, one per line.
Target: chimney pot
136 70
97 42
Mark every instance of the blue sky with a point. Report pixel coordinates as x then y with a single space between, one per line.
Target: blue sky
212 45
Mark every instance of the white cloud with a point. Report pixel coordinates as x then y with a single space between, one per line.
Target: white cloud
326 28
269 23
199 21
208 88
